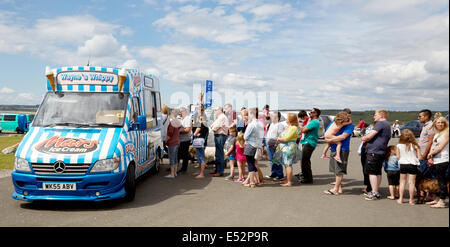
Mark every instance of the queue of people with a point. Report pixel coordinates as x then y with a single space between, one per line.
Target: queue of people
241 137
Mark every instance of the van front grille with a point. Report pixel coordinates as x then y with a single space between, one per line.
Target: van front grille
69 169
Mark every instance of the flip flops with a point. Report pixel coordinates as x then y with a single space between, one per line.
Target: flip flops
330 192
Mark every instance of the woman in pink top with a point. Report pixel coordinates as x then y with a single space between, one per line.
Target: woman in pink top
173 142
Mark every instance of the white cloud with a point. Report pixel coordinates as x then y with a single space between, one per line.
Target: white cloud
212 24
6 90
388 6
102 46
28 96
395 73
64 39
438 62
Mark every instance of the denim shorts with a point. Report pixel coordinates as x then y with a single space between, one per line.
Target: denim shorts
231 158
200 153
173 155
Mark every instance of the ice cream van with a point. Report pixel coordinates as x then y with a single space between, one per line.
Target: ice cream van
96 131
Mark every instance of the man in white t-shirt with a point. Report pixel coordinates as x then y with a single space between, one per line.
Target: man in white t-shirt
274 131
185 139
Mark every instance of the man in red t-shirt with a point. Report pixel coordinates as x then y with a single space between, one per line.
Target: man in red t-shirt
303 116
362 127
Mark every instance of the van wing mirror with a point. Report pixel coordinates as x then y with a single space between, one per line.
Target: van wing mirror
141 123
142 120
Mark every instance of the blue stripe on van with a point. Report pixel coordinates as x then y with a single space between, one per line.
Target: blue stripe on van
101 139
30 149
24 141
103 88
81 157
92 88
114 142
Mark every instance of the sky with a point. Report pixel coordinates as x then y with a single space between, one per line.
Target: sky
329 54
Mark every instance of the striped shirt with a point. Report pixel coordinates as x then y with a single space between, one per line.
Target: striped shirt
425 136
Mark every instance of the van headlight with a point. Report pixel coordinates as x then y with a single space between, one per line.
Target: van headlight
21 165
106 165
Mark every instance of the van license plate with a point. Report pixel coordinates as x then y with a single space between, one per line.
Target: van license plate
60 186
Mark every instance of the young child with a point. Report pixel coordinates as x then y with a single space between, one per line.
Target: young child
340 120
393 171
230 150
407 152
240 157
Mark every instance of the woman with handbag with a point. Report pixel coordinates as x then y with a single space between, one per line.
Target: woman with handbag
252 143
199 141
287 148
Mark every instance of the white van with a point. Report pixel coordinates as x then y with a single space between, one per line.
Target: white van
96 131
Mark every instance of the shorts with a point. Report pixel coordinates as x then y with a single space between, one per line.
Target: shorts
374 163
173 155
251 163
393 177
200 154
408 169
336 167
231 158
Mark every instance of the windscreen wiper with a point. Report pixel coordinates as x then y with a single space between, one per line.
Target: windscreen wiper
102 125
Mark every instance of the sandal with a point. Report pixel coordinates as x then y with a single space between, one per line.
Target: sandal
438 205
286 185
330 192
432 203
391 197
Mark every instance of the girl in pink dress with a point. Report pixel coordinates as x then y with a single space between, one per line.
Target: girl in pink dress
240 157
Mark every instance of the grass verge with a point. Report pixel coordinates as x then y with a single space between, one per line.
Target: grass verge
7 160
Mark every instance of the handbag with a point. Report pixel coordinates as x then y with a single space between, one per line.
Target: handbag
249 150
258 154
198 142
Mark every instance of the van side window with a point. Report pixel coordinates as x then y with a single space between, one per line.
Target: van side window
154 109
149 105
9 118
158 102
136 109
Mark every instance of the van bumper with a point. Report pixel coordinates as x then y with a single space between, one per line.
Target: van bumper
89 187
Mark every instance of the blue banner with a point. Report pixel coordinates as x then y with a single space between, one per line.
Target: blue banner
208 95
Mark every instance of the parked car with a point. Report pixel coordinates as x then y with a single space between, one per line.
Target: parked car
325 121
415 126
10 122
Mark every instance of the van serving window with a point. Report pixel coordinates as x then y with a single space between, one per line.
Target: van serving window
148 108
136 109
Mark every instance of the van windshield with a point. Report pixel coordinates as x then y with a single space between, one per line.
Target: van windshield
82 110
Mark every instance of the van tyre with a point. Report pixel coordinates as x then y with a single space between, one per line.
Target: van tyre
130 184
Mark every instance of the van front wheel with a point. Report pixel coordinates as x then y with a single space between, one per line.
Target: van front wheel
130 184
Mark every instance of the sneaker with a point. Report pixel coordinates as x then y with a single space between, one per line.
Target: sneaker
239 180
373 196
229 177
169 176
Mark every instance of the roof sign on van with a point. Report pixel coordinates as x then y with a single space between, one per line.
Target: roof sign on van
86 77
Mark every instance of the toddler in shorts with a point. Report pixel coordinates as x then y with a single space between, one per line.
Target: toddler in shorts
392 170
